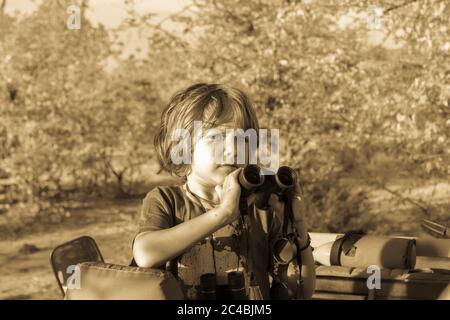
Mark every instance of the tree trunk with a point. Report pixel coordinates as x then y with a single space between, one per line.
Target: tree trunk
120 192
2 7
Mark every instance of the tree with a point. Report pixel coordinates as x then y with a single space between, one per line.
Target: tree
355 102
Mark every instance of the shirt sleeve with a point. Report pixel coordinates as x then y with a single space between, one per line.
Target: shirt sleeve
156 212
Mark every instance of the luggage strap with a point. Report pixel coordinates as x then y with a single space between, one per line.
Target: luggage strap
344 243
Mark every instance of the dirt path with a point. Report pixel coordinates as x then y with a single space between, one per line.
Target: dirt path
29 275
112 225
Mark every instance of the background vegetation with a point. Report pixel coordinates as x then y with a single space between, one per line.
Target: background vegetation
364 114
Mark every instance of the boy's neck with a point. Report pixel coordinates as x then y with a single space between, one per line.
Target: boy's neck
202 190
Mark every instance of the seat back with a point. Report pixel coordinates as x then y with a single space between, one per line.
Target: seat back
71 253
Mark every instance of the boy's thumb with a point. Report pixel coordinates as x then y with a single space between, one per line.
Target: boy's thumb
218 189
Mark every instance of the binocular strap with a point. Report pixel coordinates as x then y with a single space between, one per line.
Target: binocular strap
289 217
246 233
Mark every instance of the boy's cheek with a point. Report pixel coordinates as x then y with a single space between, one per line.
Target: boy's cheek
200 154
206 156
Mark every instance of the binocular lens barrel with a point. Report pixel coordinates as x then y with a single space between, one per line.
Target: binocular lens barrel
251 177
236 287
252 180
286 177
236 284
284 251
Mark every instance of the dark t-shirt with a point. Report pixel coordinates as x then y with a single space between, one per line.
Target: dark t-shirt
228 249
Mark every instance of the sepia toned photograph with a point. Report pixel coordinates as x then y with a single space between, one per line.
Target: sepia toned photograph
225 150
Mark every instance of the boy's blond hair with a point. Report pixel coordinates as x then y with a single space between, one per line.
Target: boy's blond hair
213 104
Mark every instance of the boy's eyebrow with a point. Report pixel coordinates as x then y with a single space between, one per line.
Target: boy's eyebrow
222 129
226 126
219 130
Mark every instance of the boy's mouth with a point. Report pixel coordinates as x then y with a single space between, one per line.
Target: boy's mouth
234 167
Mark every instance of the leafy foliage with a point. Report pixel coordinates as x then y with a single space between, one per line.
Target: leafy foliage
355 114
69 126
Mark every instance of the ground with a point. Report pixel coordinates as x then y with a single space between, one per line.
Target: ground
27 274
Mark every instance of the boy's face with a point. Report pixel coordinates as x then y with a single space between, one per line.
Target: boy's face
216 154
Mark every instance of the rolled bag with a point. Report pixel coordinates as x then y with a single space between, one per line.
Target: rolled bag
359 251
105 281
349 283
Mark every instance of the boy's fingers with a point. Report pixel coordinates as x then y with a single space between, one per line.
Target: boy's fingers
275 203
273 199
298 189
218 189
235 173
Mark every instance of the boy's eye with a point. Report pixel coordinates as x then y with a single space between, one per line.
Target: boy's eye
211 137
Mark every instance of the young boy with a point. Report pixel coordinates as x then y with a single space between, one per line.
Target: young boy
199 223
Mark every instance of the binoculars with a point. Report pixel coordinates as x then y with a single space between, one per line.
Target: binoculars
254 182
282 183
235 290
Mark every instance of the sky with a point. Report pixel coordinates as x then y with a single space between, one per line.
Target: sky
111 12
107 12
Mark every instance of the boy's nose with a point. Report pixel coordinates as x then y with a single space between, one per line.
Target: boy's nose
232 153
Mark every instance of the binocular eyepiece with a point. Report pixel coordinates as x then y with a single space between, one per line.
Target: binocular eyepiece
235 289
208 286
252 177
253 181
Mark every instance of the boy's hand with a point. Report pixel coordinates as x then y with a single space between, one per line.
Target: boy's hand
229 194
